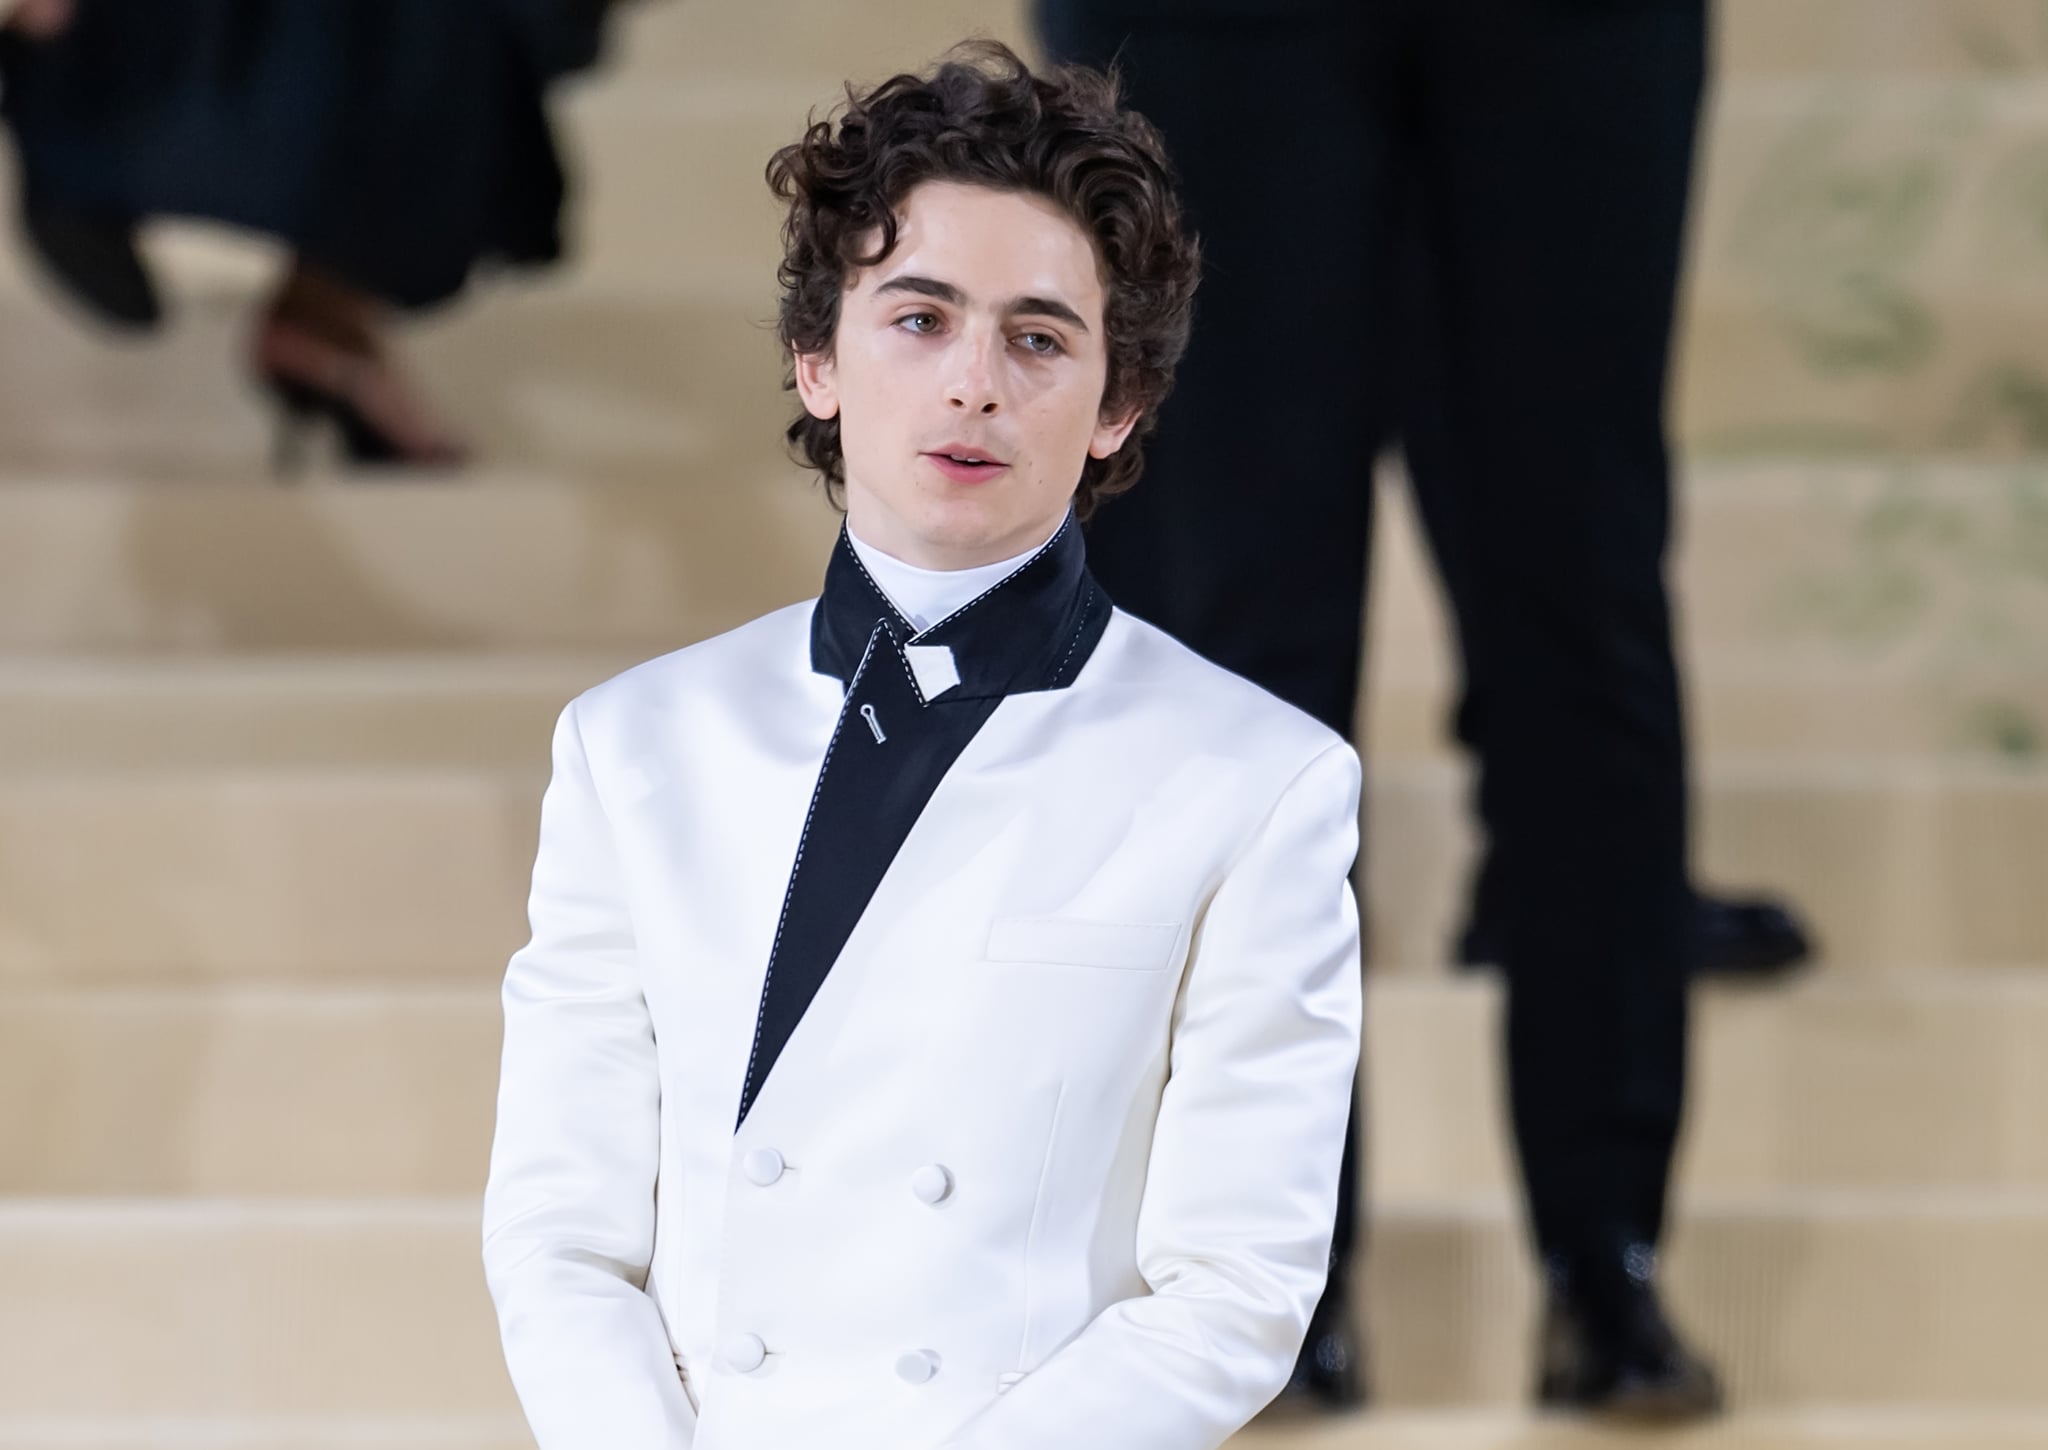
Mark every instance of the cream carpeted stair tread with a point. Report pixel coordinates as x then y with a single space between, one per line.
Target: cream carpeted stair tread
1833 1083
360 875
249 1307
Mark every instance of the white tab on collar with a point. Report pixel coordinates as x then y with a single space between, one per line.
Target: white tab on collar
933 665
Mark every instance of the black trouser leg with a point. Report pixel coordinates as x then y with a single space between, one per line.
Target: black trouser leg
1553 171
1247 537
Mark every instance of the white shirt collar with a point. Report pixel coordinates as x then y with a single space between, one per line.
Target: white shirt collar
926 596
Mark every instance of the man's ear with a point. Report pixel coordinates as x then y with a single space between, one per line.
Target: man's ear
817 383
1110 432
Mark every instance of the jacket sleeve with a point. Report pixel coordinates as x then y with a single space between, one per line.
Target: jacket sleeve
568 1228
1233 1233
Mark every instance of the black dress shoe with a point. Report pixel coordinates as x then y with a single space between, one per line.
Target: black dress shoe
1746 937
1329 1374
1732 936
1607 1348
93 256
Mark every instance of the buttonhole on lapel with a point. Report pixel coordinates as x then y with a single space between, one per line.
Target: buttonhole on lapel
867 713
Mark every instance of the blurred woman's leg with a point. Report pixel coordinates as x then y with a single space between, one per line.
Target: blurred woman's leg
38 19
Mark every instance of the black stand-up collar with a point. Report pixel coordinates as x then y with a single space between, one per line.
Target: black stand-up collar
1032 631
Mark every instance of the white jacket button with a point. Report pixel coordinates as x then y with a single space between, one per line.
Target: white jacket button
917 1366
932 1182
744 1353
762 1166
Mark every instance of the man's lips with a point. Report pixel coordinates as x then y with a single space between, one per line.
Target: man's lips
965 465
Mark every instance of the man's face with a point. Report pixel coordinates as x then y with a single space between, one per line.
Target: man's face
967 377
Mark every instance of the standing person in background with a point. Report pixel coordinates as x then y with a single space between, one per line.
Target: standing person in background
393 146
1458 223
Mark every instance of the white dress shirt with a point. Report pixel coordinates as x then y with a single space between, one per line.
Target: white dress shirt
926 596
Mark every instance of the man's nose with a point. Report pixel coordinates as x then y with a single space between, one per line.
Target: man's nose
974 388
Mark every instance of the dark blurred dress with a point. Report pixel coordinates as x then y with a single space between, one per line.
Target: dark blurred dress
398 144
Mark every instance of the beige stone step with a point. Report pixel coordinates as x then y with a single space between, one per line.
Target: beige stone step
267 1432
672 196
214 1309
1377 1430
1847 609
491 563
535 374
1817 1429
1878 40
805 40
1775 708
1843 1299
260 1091
73 714
1939 571
1874 39
368 875
1820 1084
223 1308
305 1091
420 709
1413 1430
1899 868
351 876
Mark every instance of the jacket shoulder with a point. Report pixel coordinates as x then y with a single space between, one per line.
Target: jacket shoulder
780 635
1229 707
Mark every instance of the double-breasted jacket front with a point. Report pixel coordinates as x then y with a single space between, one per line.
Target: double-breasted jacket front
925 1040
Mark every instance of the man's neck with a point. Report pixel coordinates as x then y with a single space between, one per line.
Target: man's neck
926 596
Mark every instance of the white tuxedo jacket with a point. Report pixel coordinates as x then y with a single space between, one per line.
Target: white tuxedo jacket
1023 956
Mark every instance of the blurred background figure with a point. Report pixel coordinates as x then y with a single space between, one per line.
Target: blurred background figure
393 147
1457 226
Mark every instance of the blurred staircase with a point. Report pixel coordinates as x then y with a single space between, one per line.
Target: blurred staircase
271 758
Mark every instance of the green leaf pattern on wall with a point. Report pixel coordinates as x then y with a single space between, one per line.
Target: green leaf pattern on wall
1948 575
1875 253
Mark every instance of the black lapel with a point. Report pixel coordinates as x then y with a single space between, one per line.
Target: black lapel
892 746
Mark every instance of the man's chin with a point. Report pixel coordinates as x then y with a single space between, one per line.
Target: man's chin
981 529
957 526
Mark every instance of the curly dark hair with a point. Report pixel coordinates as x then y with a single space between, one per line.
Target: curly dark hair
982 117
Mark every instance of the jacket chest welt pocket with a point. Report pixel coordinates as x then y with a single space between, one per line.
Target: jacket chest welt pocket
1122 946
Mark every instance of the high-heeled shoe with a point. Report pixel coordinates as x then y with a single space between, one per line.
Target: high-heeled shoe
300 409
334 370
303 407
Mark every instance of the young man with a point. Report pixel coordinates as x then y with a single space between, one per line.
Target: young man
942 1008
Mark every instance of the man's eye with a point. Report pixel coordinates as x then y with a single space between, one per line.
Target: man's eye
1042 343
921 322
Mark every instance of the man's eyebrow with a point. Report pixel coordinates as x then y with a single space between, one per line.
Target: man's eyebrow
1047 307
946 292
924 287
